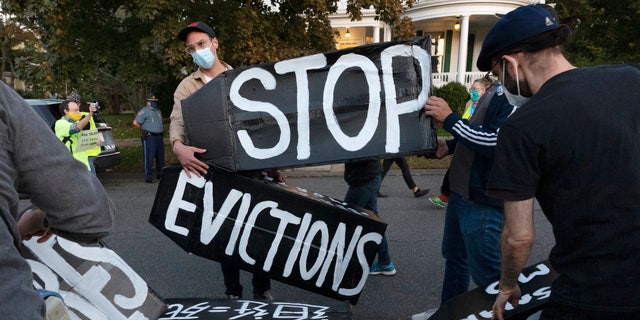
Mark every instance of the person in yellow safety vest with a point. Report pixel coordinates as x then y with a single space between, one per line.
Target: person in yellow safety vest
68 128
95 151
92 153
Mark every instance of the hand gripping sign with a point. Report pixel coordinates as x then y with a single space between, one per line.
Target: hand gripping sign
295 236
362 102
534 281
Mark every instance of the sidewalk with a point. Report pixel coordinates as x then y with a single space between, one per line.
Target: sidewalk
335 169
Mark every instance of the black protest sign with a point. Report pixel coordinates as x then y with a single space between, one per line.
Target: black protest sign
295 236
363 102
94 281
219 309
534 282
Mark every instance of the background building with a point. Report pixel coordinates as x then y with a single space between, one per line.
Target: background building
457 29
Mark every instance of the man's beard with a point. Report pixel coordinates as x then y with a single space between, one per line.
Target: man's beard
510 84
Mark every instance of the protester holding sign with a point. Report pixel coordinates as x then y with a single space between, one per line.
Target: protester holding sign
94 150
71 200
202 44
69 127
473 223
573 145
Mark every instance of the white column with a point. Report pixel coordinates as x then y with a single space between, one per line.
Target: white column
387 33
462 51
376 34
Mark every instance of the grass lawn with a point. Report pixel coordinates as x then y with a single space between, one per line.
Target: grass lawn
131 156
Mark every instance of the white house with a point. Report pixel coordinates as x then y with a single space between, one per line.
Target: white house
457 29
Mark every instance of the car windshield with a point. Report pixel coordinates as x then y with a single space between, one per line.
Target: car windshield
44 112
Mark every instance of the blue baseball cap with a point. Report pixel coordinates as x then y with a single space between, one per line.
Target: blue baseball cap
513 28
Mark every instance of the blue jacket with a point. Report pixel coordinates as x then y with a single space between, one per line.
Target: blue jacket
482 141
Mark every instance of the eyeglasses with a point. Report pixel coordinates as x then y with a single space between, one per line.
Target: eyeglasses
490 73
205 43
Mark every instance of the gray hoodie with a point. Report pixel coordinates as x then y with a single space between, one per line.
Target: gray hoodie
34 162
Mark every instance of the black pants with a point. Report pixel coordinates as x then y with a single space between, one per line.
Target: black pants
404 167
231 275
444 188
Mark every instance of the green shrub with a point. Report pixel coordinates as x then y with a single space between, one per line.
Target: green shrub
455 93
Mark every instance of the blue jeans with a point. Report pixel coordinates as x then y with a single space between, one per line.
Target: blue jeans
366 196
470 245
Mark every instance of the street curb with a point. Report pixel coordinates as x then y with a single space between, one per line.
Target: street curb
326 170
333 170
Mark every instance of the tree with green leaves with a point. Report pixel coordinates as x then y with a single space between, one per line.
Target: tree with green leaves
604 31
16 40
118 50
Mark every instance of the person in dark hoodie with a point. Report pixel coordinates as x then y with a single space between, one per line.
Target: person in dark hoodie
364 178
68 200
473 222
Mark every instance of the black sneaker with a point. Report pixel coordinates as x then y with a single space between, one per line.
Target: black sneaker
233 297
419 193
264 296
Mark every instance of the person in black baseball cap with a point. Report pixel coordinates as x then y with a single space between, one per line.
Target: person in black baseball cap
202 44
571 145
196 26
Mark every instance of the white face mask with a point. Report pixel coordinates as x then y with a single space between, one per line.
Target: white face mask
516 100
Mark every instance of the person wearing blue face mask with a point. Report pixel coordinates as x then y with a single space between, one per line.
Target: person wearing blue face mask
149 121
478 88
202 44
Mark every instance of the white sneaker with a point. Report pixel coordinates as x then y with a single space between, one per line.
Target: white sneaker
56 309
424 315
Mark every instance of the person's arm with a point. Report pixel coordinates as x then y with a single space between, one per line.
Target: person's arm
85 120
141 117
184 153
518 237
187 157
74 200
480 139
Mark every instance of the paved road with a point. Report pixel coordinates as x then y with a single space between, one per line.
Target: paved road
414 233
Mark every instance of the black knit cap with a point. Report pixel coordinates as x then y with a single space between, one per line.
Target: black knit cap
195 26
